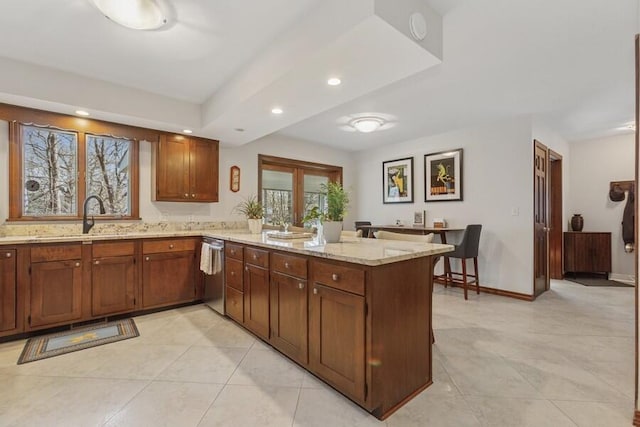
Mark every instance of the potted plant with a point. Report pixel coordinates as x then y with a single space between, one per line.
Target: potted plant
254 211
331 220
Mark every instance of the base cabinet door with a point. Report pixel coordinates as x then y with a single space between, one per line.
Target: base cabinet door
337 338
8 290
112 285
256 300
289 319
56 292
168 278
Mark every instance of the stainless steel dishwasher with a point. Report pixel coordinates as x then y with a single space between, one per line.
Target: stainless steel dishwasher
214 283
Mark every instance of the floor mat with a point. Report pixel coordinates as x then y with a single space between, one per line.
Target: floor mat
597 281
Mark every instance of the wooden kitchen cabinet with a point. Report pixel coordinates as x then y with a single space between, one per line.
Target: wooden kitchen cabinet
168 271
256 291
56 285
289 307
8 290
587 252
185 169
234 281
337 327
113 278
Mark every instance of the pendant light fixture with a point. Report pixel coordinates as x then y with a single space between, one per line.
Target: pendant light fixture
134 14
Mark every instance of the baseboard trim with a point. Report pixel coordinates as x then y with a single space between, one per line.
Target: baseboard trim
500 292
636 418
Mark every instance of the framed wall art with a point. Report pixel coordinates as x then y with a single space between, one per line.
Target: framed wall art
443 176
397 181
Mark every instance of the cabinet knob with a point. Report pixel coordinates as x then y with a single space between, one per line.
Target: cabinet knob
286 265
77 264
96 262
233 273
171 246
315 291
246 268
193 196
255 256
300 285
186 195
147 258
335 277
233 251
7 255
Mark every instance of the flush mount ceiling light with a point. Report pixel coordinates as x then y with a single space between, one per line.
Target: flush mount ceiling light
334 81
134 14
276 110
367 124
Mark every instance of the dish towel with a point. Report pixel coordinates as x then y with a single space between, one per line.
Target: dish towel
205 259
217 259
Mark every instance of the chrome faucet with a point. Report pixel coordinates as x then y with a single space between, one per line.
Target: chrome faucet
87 224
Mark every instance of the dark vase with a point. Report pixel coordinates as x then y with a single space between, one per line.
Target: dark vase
577 222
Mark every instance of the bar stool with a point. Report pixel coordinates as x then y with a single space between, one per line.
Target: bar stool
363 223
468 248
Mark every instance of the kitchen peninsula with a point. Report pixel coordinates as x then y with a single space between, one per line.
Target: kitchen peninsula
357 314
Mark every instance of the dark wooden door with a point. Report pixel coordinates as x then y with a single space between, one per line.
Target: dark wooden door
172 168
56 292
540 225
7 289
289 316
256 300
168 278
112 285
337 338
203 171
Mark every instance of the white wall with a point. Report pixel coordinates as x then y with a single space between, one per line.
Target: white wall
498 183
594 163
246 157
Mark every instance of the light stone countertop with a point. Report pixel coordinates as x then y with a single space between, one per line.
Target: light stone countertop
351 249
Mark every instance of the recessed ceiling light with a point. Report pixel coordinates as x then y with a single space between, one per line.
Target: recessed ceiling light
134 14
632 126
367 124
276 110
187 131
334 81
239 129
82 113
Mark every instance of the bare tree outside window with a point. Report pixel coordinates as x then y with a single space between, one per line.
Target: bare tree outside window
50 169
107 174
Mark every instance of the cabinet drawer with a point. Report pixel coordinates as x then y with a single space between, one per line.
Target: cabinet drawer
340 277
288 264
109 249
56 253
257 257
233 251
234 306
233 274
168 245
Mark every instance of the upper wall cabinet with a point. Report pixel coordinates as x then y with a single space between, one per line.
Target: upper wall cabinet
185 169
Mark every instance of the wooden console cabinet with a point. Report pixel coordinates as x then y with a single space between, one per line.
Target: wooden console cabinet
587 252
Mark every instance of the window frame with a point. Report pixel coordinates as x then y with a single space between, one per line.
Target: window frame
18 116
298 168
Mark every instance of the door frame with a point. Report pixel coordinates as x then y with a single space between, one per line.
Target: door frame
556 223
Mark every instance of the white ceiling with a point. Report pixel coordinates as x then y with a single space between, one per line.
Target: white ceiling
570 62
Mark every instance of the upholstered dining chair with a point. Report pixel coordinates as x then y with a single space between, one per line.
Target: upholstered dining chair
468 248
390 235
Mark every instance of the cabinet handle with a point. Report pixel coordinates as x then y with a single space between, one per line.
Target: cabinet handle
335 277
286 265
7 255
233 251
186 195
255 256
96 262
171 246
315 291
147 258
300 285
77 264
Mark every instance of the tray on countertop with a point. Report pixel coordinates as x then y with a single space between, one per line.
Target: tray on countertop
289 235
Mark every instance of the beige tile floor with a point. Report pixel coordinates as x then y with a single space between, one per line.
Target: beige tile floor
564 360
